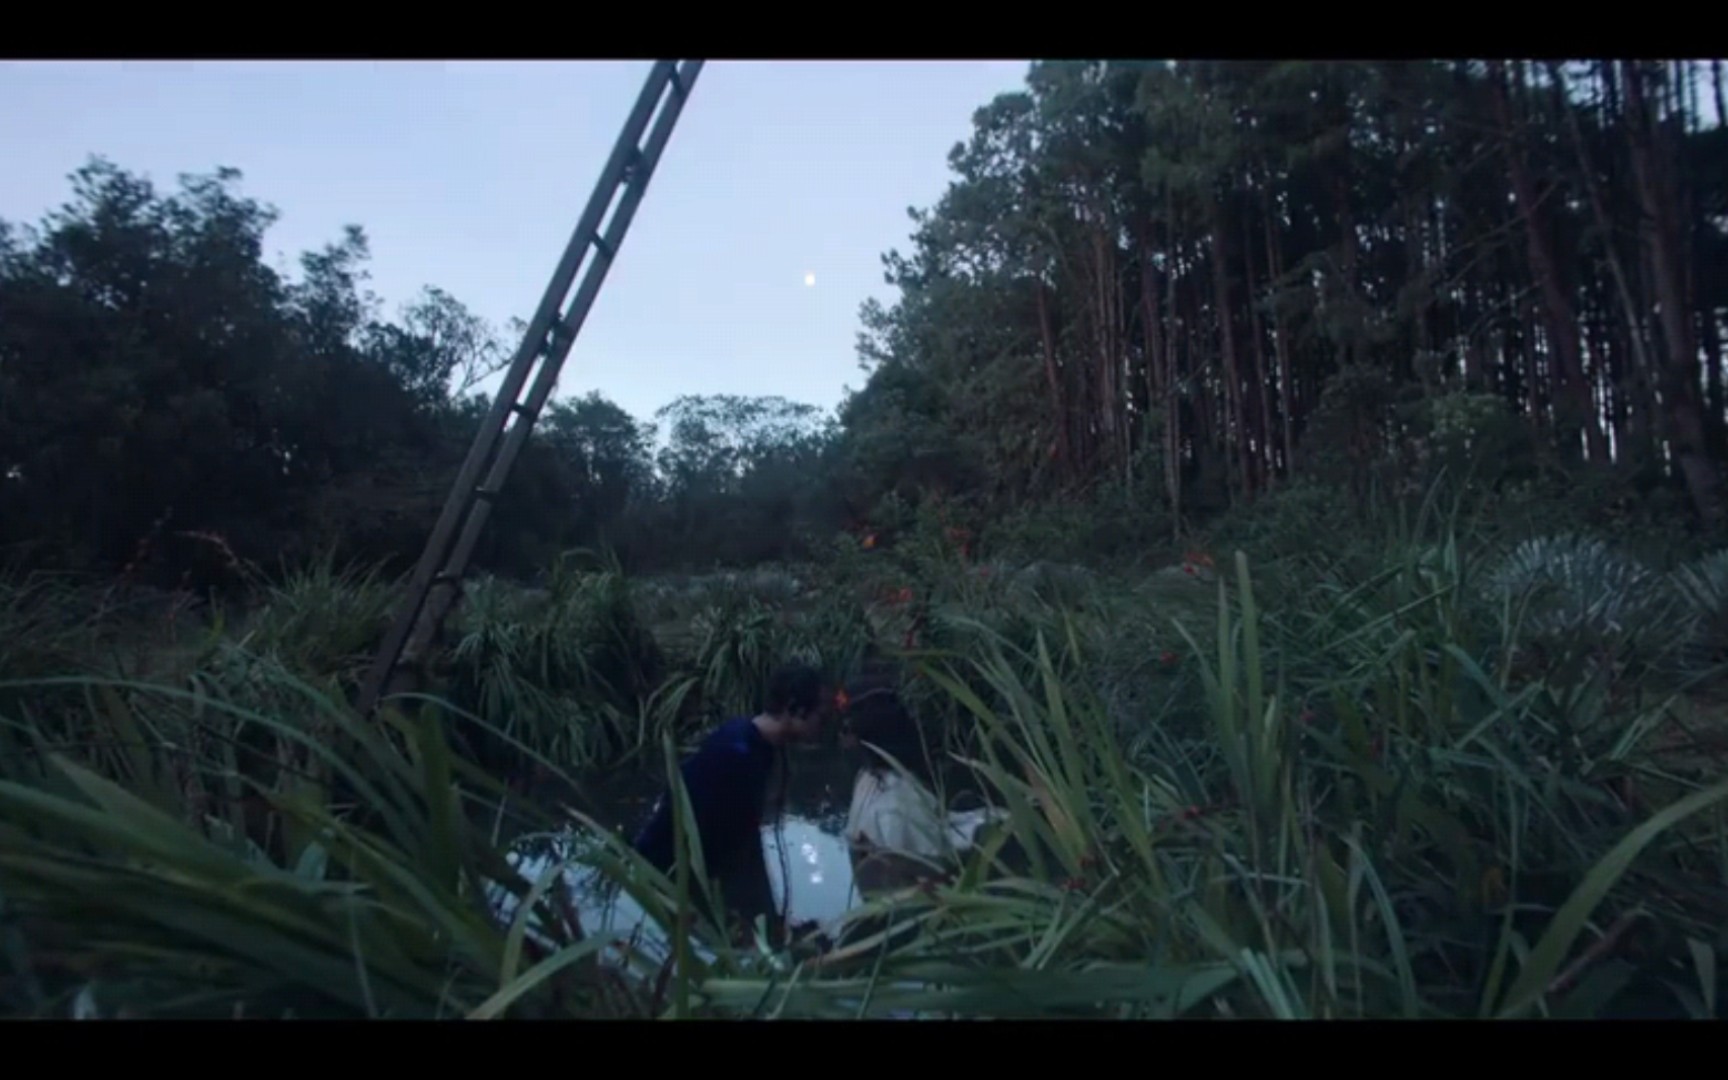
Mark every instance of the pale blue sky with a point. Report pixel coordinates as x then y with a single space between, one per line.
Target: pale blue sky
470 176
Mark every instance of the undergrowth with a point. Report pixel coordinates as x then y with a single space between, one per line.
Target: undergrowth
1421 776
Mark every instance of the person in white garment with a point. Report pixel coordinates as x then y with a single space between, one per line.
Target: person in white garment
897 830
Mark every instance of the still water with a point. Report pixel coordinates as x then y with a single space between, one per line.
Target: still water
808 864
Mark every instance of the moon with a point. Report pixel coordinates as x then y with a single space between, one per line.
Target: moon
809 280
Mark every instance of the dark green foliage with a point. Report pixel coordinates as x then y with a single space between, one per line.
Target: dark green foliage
1435 345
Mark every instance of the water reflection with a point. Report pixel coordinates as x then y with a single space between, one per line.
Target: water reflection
804 851
817 884
809 867
809 871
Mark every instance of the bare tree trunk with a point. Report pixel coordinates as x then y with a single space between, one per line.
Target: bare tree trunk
1172 386
1064 442
1287 388
1613 366
1159 386
1203 406
1604 225
1262 392
1718 445
1104 414
1573 392
1679 375
1235 433
1117 336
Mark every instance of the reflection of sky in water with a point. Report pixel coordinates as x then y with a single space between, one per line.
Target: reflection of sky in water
817 867
807 854
816 864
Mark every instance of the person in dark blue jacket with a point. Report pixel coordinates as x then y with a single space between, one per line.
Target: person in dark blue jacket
727 782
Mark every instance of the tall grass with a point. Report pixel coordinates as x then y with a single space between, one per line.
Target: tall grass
572 672
1292 872
322 620
154 902
1367 787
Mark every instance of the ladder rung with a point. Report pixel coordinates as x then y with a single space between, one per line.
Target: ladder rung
634 167
627 172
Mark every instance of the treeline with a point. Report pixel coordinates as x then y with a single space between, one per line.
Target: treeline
1152 293
1204 279
173 408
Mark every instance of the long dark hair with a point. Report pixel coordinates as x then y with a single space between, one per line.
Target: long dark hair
872 711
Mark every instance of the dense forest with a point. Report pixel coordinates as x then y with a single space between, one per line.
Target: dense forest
1156 292
1292 491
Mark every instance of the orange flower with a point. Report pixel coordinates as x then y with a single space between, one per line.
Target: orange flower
869 541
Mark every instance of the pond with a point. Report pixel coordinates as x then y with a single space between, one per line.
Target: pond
809 867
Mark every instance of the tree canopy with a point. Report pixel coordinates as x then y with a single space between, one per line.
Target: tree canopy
1171 288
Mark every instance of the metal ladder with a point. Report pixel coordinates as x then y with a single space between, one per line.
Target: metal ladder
434 588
